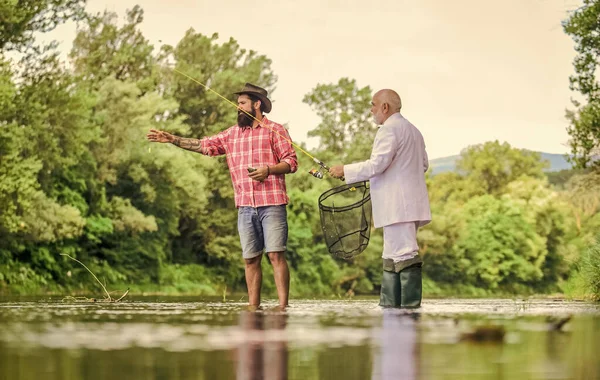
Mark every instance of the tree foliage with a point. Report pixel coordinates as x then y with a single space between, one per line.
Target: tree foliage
20 19
584 28
78 177
345 132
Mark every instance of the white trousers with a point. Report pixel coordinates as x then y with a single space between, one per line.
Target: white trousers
400 241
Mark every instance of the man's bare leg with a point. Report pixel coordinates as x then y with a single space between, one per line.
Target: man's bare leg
282 276
253 279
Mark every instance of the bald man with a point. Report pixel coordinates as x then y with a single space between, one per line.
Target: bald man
396 171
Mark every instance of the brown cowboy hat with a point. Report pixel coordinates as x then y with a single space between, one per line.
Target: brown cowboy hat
259 92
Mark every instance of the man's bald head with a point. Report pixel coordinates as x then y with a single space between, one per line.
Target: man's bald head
391 98
385 103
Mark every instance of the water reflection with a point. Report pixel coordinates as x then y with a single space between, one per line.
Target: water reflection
263 354
315 339
398 356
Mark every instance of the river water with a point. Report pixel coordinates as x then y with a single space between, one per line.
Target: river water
200 338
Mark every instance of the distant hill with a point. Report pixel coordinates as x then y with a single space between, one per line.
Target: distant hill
558 162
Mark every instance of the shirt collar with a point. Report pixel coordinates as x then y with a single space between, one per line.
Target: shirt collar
395 116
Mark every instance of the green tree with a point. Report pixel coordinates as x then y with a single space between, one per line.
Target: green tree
57 114
589 267
43 141
484 169
147 188
345 132
20 19
499 247
494 165
583 196
548 213
584 28
102 49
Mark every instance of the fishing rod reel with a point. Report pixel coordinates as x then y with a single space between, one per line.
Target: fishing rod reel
318 173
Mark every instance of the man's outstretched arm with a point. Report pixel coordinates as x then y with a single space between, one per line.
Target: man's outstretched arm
194 145
189 144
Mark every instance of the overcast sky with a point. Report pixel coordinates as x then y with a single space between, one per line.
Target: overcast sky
468 71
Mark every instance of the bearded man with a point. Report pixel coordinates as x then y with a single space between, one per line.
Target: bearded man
259 153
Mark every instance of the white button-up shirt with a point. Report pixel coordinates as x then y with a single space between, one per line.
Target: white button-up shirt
396 171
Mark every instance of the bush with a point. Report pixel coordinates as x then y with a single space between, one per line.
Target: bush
589 267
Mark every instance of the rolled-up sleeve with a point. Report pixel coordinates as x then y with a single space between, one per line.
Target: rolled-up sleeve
283 148
215 145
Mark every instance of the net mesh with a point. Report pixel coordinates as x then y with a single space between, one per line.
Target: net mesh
346 219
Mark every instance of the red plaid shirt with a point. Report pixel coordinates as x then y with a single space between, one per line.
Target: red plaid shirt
255 147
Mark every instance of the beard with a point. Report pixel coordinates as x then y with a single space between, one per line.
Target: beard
244 120
376 119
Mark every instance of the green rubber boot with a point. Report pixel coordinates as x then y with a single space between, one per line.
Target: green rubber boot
412 287
390 290
401 283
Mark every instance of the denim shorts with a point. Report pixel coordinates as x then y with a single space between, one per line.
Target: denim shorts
262 228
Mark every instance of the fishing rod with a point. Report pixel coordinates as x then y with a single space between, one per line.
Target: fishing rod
317 173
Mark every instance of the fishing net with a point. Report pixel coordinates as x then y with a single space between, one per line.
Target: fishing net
346 219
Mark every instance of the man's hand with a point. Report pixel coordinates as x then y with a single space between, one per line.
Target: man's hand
337 171
160 136
259 174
